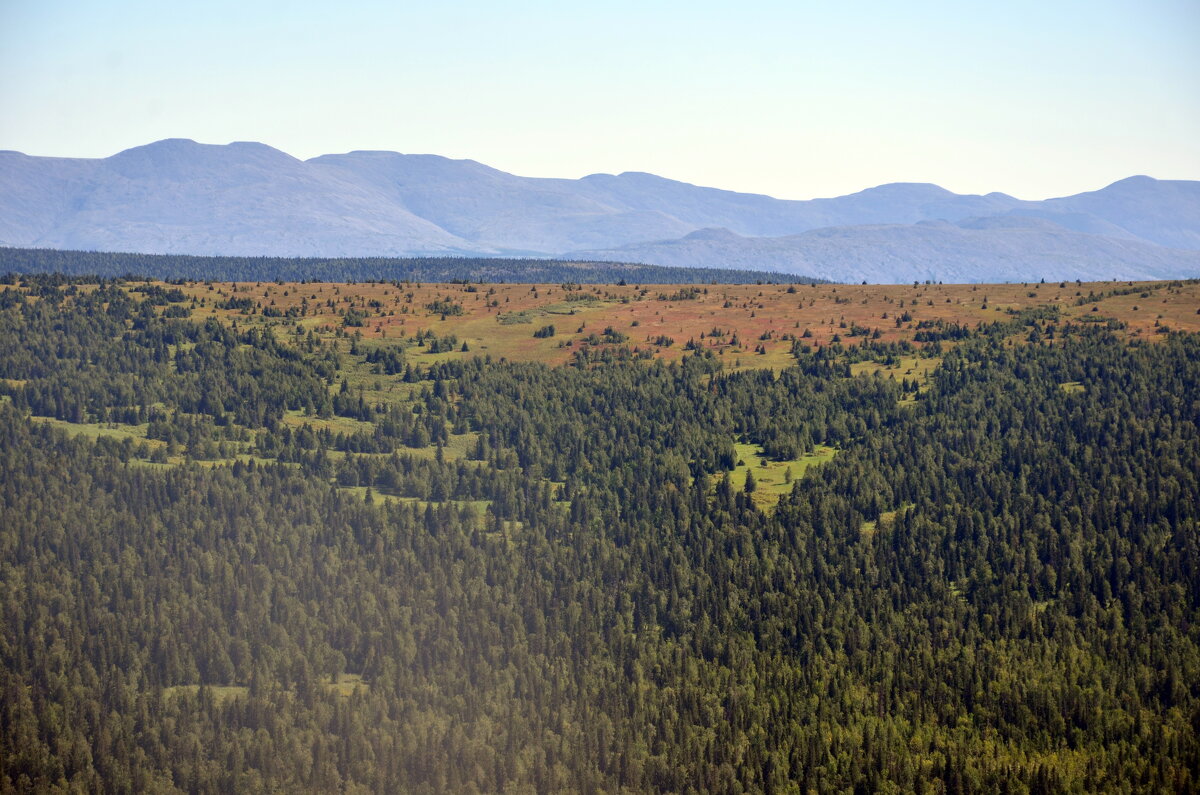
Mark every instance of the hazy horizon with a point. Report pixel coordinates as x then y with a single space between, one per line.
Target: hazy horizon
790 101
587 173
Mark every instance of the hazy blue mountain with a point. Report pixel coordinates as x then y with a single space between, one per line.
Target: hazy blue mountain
496 210
752 214
1166 212
998 248
36 193
178 196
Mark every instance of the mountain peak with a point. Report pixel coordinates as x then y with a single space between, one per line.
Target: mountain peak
183 158
171 148
424 167
922 189
1136 182
627 177
163 145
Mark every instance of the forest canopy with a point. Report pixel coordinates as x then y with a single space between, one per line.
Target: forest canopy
347 269
240 557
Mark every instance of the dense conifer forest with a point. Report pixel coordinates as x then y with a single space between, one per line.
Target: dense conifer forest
347 269
225 568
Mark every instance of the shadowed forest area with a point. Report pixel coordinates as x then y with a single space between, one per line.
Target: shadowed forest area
345 269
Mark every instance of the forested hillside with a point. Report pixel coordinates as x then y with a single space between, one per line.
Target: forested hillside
246 558
348 269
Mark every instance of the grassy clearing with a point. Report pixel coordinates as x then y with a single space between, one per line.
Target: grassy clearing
94 430
914 368
347 685
221 693
245 458
773 478
885 520
459 446
298 419
174 461
520 317
120 431
379 497
480 507
776 358
428 453
376 387
1071 387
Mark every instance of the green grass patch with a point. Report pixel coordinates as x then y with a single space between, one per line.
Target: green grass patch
885 520
221 693
460 445
518 318
298 419
569 307
245 458
913 368
379 497
94 430
773 478
347 685
479 506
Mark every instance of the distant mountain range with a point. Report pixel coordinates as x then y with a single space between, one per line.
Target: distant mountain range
180 197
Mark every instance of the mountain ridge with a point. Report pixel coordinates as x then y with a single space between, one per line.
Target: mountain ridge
934 250
177 196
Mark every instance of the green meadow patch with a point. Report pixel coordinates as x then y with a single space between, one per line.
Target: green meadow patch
914 368
773 478
220 693
885 520
346 685
94 430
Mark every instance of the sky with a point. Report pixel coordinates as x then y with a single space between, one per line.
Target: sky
793 99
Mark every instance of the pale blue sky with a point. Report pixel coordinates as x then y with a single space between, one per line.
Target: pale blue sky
797 99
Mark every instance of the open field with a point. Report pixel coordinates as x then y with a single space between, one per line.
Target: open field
220 693
93 430
747 325
772 478
345 685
